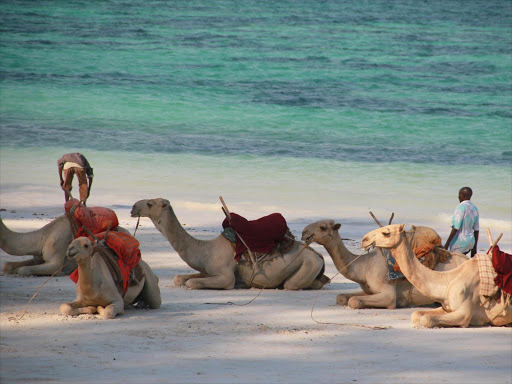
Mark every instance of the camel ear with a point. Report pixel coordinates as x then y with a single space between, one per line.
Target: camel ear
401 228
413 227
336 226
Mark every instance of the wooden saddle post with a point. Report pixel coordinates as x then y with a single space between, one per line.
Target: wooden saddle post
228 216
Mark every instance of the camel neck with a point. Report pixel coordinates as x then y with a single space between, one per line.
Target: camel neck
345 261
431 283
188 248
85 276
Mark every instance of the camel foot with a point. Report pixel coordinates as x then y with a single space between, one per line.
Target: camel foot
316 284
355 303
193 284
9 268
107 313
415 318
427 322
179 281
341 300
67 310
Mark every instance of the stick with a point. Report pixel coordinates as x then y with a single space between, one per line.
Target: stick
225 209
228 216
391 218
495 243
374 218
489 236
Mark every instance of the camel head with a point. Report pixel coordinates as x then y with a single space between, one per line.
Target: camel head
385 237
320 231
151 208
80 249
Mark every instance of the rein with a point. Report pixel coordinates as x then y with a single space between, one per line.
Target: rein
35 294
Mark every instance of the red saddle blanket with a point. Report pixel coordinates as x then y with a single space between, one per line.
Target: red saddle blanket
502 263
126 247
95 219
260 235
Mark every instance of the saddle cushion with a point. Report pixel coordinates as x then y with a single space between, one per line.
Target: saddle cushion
95 219
502 263
260 235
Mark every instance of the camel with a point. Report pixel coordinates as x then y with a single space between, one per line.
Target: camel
96 290
370 271
48 246
300 268
457 290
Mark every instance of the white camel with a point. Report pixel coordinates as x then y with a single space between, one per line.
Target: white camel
96 291
370 271
457 290
300 268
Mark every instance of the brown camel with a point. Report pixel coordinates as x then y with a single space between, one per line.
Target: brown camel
300 268
96 291
370 271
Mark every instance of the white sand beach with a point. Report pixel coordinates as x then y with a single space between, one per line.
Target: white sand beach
196 338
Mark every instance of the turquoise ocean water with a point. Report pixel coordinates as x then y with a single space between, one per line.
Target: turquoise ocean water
315 109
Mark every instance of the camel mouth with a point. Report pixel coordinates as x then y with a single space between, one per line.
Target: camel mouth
366 245
307 239
71 253
133 212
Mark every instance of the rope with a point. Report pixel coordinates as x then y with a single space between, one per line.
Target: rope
137 226
378 328
306 245
35 294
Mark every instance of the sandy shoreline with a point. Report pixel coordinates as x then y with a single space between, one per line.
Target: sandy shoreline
271 340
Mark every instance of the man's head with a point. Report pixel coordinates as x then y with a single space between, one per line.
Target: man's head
465 193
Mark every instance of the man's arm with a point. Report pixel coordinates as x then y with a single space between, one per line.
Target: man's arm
474 250
61 166
452 234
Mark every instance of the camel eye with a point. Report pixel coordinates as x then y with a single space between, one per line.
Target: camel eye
323 228
150 205
86 246
386 234
164 205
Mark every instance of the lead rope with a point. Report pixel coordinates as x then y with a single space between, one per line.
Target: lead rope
305 245
34 295
137 226
378 328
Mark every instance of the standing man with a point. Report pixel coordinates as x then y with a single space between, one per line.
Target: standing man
71 164
465 225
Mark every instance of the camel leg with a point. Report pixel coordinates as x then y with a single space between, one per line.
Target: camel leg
150 291
13 266
417 315
342 298
225 281
459 318
40 270
75 308
90 310
384 299
303 278
180 280
111 310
